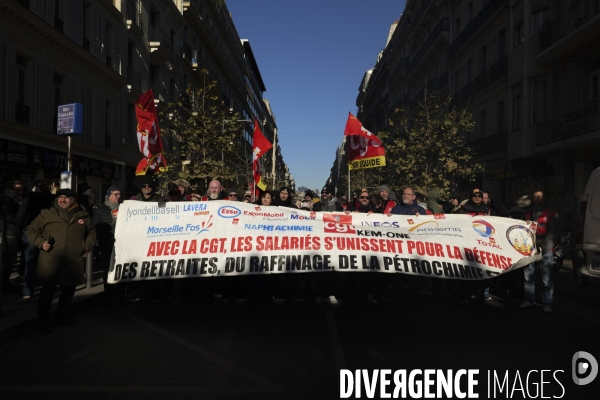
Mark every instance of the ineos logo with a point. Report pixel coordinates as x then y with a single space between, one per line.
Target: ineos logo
228 212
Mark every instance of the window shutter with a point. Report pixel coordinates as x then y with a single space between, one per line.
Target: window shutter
74 21
103 38
10 91
96 39
38 94
49 106
99 136
86 100
49 14
117 49
38 7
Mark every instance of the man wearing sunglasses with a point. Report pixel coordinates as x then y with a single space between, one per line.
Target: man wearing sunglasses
148 191
475 205
329 203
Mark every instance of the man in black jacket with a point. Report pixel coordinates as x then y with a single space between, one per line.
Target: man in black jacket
104 221
38 199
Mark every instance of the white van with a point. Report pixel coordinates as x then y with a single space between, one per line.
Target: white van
586 256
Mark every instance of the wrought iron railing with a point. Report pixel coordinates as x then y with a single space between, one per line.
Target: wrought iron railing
134 15
160 92
443 25
134 78
573 16
158 35
499 69
473 27
569 123
21 114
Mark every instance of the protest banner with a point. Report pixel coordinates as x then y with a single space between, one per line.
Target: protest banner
224 238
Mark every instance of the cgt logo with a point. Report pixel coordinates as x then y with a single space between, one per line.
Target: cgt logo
584 368
229 212
332 227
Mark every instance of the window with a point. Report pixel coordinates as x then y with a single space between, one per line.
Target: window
57 99
518 35
501 44
469 70
107 127
470 11
482 124
500 116
539 100
517 113
482 58
537 19
456 83
21 64
456 27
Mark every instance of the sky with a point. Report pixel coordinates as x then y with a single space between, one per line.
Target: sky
312 56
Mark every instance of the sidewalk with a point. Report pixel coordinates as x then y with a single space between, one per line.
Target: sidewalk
18 315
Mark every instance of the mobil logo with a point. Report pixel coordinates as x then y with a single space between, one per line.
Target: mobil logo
228 212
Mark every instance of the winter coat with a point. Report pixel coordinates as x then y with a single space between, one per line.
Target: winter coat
331 205
104 224
72 240
472 209
408 209
8 209
358 207
548 225
154 197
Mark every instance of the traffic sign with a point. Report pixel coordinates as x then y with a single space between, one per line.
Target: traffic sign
70 119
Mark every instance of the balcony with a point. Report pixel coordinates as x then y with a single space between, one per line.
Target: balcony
481 82
160 44
134 19
161 94
134 80
494 143
474 26
443 25
568 124
58 24
175 63
575 26
419 13
21 114
499 69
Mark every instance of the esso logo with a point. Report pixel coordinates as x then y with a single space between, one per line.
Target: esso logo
228 212
332 227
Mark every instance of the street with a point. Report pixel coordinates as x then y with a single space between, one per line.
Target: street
294 349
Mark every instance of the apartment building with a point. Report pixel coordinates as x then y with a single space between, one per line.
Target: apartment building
104 54
527 70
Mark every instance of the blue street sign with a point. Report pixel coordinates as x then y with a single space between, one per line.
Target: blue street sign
70 119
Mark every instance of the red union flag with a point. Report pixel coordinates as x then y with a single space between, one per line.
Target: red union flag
364 149
260 145
148 134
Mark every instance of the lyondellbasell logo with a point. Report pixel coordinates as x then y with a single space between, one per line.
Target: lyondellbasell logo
584 368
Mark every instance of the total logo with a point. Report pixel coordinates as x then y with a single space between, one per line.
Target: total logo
483 228
229 212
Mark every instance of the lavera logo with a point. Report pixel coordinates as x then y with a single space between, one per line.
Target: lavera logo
229 212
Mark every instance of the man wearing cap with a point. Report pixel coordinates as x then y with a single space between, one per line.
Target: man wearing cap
148 191
104 221
388 204
475 205
64 235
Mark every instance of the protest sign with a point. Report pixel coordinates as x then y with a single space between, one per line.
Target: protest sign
223 238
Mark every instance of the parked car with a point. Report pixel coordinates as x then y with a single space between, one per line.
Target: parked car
586 255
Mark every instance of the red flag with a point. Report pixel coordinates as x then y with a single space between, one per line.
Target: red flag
260 145
148 134
364 149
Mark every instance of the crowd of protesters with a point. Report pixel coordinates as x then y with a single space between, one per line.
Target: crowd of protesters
23 232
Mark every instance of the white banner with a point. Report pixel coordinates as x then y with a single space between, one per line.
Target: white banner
223 238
